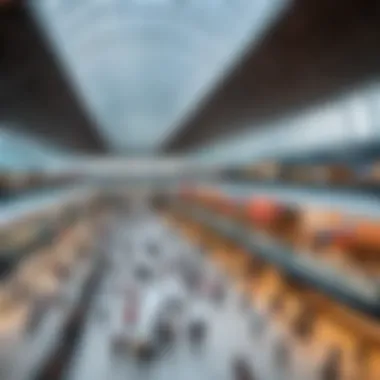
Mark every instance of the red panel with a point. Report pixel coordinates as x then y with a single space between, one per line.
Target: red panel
263 211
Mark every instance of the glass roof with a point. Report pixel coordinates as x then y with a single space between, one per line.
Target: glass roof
20 152
138 65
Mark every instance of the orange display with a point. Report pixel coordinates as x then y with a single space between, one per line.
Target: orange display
263 211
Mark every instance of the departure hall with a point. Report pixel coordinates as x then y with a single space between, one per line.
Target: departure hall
189 189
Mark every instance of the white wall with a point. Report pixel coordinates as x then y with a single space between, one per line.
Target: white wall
352 119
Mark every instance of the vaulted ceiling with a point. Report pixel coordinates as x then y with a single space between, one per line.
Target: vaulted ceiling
145 75
138 65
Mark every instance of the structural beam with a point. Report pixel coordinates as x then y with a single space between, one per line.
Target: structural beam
34 94
315 51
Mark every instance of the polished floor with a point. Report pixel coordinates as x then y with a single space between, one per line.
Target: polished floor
233 331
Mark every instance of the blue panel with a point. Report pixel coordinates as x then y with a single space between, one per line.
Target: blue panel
19 152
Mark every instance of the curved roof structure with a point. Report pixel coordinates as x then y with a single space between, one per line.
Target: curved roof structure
140 65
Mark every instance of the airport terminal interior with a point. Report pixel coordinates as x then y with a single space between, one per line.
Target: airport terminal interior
189 189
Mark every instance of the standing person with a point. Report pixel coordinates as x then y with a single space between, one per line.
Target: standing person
241 370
